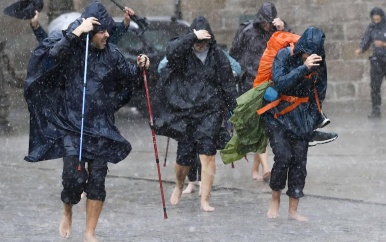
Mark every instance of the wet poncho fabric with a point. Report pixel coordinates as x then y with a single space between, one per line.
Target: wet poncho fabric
290 77
54 94
251 40
249 127
189 91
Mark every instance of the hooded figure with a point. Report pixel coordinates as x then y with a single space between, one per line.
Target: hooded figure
375 36
299 76
251 40
190 89
195 89
291 78
53 92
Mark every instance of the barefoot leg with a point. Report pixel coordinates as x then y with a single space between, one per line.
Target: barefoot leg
181 173
273 211
66 222
293 210
263 159
93 210
190 188
255 168
208 171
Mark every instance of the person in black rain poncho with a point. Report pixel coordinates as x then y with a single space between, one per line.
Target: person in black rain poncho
296 76
197 90
375 35
54 94
247 48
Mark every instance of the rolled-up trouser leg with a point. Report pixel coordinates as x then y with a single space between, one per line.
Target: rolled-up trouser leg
290 160
297 171
73 181
95 187
282 156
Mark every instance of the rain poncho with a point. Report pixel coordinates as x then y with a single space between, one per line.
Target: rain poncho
54 90
189 91
251 39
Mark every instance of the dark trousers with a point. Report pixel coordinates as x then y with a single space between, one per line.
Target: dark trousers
290 160
195 171
377 73
92 180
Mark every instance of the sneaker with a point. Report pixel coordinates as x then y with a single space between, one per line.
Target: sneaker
322 138
325 121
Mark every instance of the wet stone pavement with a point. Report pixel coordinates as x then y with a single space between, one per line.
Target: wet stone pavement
345 195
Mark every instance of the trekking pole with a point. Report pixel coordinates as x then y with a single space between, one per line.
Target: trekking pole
166 152
154 142
83 104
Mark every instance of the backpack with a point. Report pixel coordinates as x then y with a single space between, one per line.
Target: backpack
249 126
278 41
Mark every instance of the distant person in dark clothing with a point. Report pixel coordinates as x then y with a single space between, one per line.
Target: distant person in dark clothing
54 94
375 35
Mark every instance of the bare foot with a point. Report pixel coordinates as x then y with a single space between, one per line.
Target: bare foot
176 196
90 238
273 211
190 188
66 222
294 215
206 207
257 176
267 176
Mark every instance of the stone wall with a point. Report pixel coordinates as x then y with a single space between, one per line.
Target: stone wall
343 21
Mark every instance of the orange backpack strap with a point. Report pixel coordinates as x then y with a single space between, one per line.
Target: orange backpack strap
296 101
268 106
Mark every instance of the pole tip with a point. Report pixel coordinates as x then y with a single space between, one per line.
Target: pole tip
79 168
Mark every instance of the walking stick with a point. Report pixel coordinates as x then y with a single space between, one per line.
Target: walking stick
166 152
83 105
154 143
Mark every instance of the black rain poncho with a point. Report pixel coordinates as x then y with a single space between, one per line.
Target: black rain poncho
189 91
54 94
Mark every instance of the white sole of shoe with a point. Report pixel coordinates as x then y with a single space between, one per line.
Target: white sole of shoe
314 143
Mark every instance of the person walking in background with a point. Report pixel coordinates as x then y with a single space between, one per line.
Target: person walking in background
375 35
247 48
53 91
